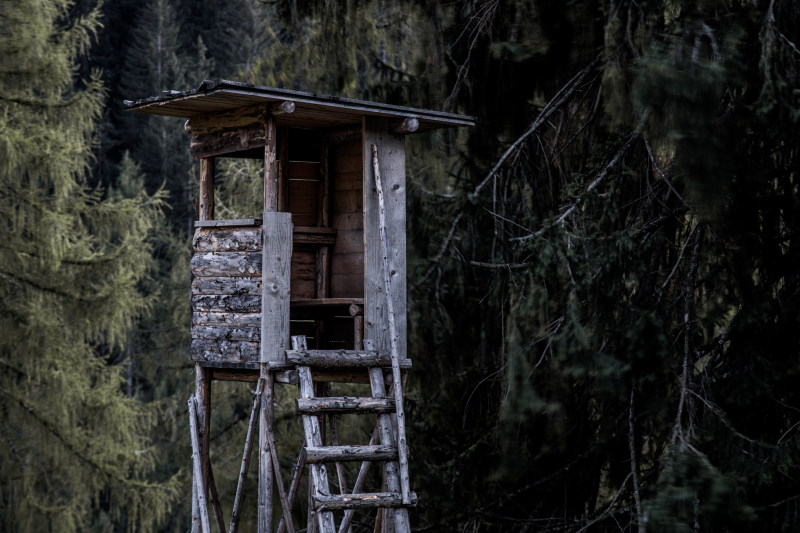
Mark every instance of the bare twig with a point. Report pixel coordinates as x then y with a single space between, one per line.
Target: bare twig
555 103
634 468
608 508
597 181
560 98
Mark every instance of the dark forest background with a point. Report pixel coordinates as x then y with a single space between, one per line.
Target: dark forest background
604 272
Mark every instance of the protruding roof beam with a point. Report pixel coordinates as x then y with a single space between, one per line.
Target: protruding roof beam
236 118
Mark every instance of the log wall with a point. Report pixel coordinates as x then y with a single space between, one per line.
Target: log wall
226 295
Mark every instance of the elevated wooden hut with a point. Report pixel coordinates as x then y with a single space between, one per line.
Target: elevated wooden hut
324 266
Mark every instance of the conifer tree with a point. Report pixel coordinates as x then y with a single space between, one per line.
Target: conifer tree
75 453
155 62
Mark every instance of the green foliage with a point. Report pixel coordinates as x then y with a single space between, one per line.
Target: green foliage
603 320
155 61
76 450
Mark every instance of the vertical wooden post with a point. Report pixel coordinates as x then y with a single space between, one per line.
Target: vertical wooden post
199 480
275 282
206 202
248 444
270 166
203 398
265 475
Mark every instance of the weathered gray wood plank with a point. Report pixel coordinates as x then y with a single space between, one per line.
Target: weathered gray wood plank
224 351
232 303
332 454
240 320
227 239
399 418
392 170
364 500
276 286
226 285
342 358
344 404
227 223
227 333
232 264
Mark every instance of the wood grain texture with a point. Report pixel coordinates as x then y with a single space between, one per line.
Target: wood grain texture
392 169
265 476
344 404
271 192
206 200
364 500
221 303
231 264
212 318
232 119
227 141
346 257
276 286
342 358
313 438
199 479
227 333
224 351
226 285
387 436
227 239
333 454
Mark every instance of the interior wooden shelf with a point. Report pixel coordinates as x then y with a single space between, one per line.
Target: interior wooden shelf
314 235
317 308
323 302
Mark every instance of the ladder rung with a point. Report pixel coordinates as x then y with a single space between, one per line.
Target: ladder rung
368 500
344 404
343 358
330 454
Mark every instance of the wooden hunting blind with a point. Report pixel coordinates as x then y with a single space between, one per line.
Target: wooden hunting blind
310 291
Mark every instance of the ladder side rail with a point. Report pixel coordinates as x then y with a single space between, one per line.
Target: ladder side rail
386 436
313 437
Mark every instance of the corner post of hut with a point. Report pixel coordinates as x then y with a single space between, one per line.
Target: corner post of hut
276 258
202 395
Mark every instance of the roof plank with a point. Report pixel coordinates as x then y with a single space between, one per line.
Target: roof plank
311 109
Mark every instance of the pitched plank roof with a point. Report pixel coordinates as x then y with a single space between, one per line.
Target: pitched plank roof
311 110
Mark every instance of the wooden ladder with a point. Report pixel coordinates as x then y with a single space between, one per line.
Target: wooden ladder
382 447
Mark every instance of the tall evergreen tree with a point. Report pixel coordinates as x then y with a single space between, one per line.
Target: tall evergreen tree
155 61
76 451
